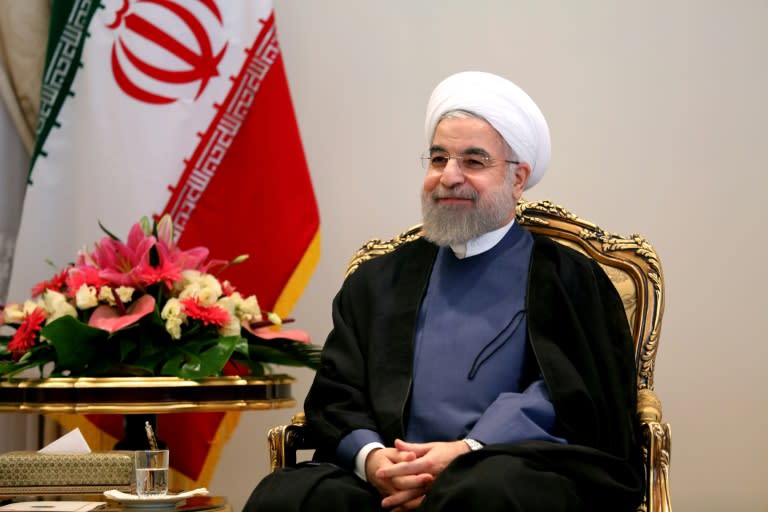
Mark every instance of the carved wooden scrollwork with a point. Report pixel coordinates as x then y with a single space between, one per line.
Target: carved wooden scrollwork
634 255
377 247
284 441
277 442
657 450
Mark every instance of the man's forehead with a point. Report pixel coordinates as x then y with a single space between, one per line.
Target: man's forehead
467 135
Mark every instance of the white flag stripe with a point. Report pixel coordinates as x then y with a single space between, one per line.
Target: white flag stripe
112 158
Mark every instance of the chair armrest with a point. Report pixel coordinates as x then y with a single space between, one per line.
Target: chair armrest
285 440
657 449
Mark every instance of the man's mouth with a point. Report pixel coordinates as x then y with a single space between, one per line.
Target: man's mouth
454 200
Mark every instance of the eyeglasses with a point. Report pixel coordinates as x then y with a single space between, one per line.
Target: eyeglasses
438 161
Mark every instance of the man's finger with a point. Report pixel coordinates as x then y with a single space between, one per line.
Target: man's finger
422 481
414 467
417 448
400 498
411 505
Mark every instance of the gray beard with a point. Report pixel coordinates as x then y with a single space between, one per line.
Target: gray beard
446 224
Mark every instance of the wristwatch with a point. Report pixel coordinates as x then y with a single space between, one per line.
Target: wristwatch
473 444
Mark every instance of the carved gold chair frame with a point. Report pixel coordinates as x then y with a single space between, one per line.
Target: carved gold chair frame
634 268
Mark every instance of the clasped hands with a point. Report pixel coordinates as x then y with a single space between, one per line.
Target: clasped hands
404 473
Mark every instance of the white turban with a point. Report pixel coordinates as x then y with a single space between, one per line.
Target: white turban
505 106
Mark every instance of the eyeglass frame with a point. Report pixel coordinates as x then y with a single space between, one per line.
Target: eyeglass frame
426 160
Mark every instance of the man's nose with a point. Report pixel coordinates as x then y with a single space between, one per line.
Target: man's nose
452 174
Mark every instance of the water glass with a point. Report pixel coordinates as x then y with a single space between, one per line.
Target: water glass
151 473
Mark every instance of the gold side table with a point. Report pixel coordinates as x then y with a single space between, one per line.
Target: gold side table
139 399
153 395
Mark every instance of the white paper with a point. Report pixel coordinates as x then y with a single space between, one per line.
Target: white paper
71 442
52 506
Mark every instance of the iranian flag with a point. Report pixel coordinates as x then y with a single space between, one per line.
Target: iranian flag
179 107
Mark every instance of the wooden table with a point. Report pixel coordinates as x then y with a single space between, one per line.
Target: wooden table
153 395
141 398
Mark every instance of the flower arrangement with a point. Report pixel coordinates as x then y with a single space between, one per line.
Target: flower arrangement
145 307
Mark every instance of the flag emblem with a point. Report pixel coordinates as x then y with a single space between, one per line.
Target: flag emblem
165 51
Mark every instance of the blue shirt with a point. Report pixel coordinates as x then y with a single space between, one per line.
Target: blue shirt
470 351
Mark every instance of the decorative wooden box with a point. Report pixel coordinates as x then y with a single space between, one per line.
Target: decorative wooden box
28 472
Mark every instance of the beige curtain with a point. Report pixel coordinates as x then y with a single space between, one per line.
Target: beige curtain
23 37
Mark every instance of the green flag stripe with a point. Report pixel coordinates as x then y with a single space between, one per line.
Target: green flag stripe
66 37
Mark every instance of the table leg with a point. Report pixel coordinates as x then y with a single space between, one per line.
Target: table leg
135 437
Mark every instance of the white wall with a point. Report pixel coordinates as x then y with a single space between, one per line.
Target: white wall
658 114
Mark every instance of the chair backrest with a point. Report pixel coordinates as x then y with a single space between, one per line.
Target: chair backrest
630 262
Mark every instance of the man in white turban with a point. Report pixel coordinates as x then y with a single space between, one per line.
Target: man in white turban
479 367
513 121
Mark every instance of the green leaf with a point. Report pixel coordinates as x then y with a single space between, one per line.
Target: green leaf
200 359
220 352
283 351
181 364
241 347
9 369
36 357
108 232
77 345
127 346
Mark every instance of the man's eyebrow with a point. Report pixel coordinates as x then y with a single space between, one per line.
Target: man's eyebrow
469 151
476 151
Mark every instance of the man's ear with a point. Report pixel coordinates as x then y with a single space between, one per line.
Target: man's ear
521 173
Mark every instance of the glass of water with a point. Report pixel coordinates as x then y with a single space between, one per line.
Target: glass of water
151 473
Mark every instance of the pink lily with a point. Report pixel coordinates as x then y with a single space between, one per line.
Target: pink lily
268 334
109 318
191 259
83 275
126 264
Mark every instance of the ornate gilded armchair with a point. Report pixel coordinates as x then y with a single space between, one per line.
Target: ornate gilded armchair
633 267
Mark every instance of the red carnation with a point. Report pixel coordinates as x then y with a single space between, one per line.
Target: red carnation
207 314
25 336
56 283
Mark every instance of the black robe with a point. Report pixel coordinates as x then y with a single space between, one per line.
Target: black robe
578 333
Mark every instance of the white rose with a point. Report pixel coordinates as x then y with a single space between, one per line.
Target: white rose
248 309
210 290
188 278
86 297
13 313
232 327
190 290
203 287
30 306
57 305
125 293
174 317
105 295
